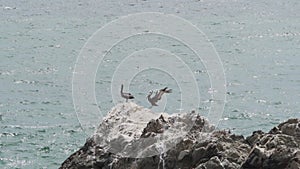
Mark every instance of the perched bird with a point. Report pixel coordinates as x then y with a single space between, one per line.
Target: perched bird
126 95
158 94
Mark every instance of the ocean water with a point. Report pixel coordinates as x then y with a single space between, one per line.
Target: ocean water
258 43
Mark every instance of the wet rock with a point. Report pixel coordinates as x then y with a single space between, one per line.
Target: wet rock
295 162
212 163
256 135
290 127
154 127
182 154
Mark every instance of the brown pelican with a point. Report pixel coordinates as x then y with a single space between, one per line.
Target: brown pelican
158 94
153 99
126 95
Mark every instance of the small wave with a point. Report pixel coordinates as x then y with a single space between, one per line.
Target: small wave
12 72
27 102
261 101
45 149
7 134
25 82
35 127
47 70
9 8
268 35
52 103
241 116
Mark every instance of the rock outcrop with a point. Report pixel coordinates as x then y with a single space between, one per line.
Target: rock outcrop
280 148
132 137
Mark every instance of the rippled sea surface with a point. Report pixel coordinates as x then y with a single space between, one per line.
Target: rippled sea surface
258 43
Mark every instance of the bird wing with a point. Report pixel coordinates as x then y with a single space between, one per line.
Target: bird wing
159 94
164 89
152 100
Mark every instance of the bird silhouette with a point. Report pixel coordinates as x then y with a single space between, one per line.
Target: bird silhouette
158 94
126 95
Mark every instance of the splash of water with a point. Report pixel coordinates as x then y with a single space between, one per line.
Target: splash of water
161 148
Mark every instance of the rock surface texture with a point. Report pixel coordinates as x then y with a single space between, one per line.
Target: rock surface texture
132 137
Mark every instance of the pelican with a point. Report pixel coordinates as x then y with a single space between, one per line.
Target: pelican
158 94
126 95
153 99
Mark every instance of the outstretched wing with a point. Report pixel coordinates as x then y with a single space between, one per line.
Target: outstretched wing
162 91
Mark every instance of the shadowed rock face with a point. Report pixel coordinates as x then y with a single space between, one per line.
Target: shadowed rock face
199 148
280 148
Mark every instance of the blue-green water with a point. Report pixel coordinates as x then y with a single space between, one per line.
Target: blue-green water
258 43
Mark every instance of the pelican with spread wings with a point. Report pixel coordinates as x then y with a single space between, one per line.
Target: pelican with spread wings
158 94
